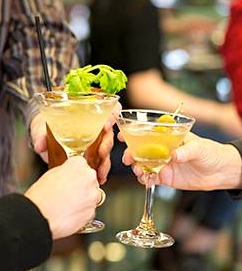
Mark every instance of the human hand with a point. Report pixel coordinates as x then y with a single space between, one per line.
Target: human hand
203 164
67 196
199 164
98 154
39 136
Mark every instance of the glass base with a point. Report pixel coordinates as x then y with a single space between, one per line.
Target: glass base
145 239
93 226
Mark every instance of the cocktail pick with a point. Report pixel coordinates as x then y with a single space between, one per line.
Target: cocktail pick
178 109
42 52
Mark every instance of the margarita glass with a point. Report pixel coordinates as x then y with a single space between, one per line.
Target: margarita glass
151 136
76 121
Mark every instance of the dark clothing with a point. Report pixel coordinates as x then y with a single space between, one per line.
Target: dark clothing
25 237
125 35
238 144
237 193
213 209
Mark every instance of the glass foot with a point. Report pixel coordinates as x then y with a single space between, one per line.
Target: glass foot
145 239
93 226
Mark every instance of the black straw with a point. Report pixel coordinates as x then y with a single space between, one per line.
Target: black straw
42 52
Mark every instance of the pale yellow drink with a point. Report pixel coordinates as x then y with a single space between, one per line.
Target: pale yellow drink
151 146
77 121
151 136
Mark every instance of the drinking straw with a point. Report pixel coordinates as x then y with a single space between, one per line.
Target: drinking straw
42 52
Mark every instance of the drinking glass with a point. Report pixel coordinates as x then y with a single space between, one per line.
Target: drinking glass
76 122
151 136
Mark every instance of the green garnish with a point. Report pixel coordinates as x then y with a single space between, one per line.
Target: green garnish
99 76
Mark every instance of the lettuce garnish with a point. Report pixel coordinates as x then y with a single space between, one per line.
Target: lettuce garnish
100 76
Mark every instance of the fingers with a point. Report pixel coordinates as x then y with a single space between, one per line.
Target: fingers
106 144
103 170
116 110
38 135
40 147
98 154
102 197
186 152
120 137
127 158
38 132
112 119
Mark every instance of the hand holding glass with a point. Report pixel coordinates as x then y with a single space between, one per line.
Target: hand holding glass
76 122
151 136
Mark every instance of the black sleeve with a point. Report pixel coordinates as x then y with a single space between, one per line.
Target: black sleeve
236 193
25 237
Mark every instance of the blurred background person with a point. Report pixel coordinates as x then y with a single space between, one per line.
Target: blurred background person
232 52
22 73
127 35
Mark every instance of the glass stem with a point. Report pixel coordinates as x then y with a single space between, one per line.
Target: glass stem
147 218
75 153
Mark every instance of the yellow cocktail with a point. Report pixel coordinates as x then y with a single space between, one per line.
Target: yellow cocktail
151 136
150 146
76 121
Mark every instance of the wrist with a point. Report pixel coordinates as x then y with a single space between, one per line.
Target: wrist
235 160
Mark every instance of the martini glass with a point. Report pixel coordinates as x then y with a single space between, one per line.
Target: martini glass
151 139
76 122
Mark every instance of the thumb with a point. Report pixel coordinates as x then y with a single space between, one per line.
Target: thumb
188 151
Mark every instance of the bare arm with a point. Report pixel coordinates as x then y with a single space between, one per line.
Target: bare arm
148 89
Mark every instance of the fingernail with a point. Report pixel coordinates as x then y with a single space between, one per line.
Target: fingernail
109 124
136 170
178 155
123 159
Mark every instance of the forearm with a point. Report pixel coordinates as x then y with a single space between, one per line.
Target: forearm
25 237
148 89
